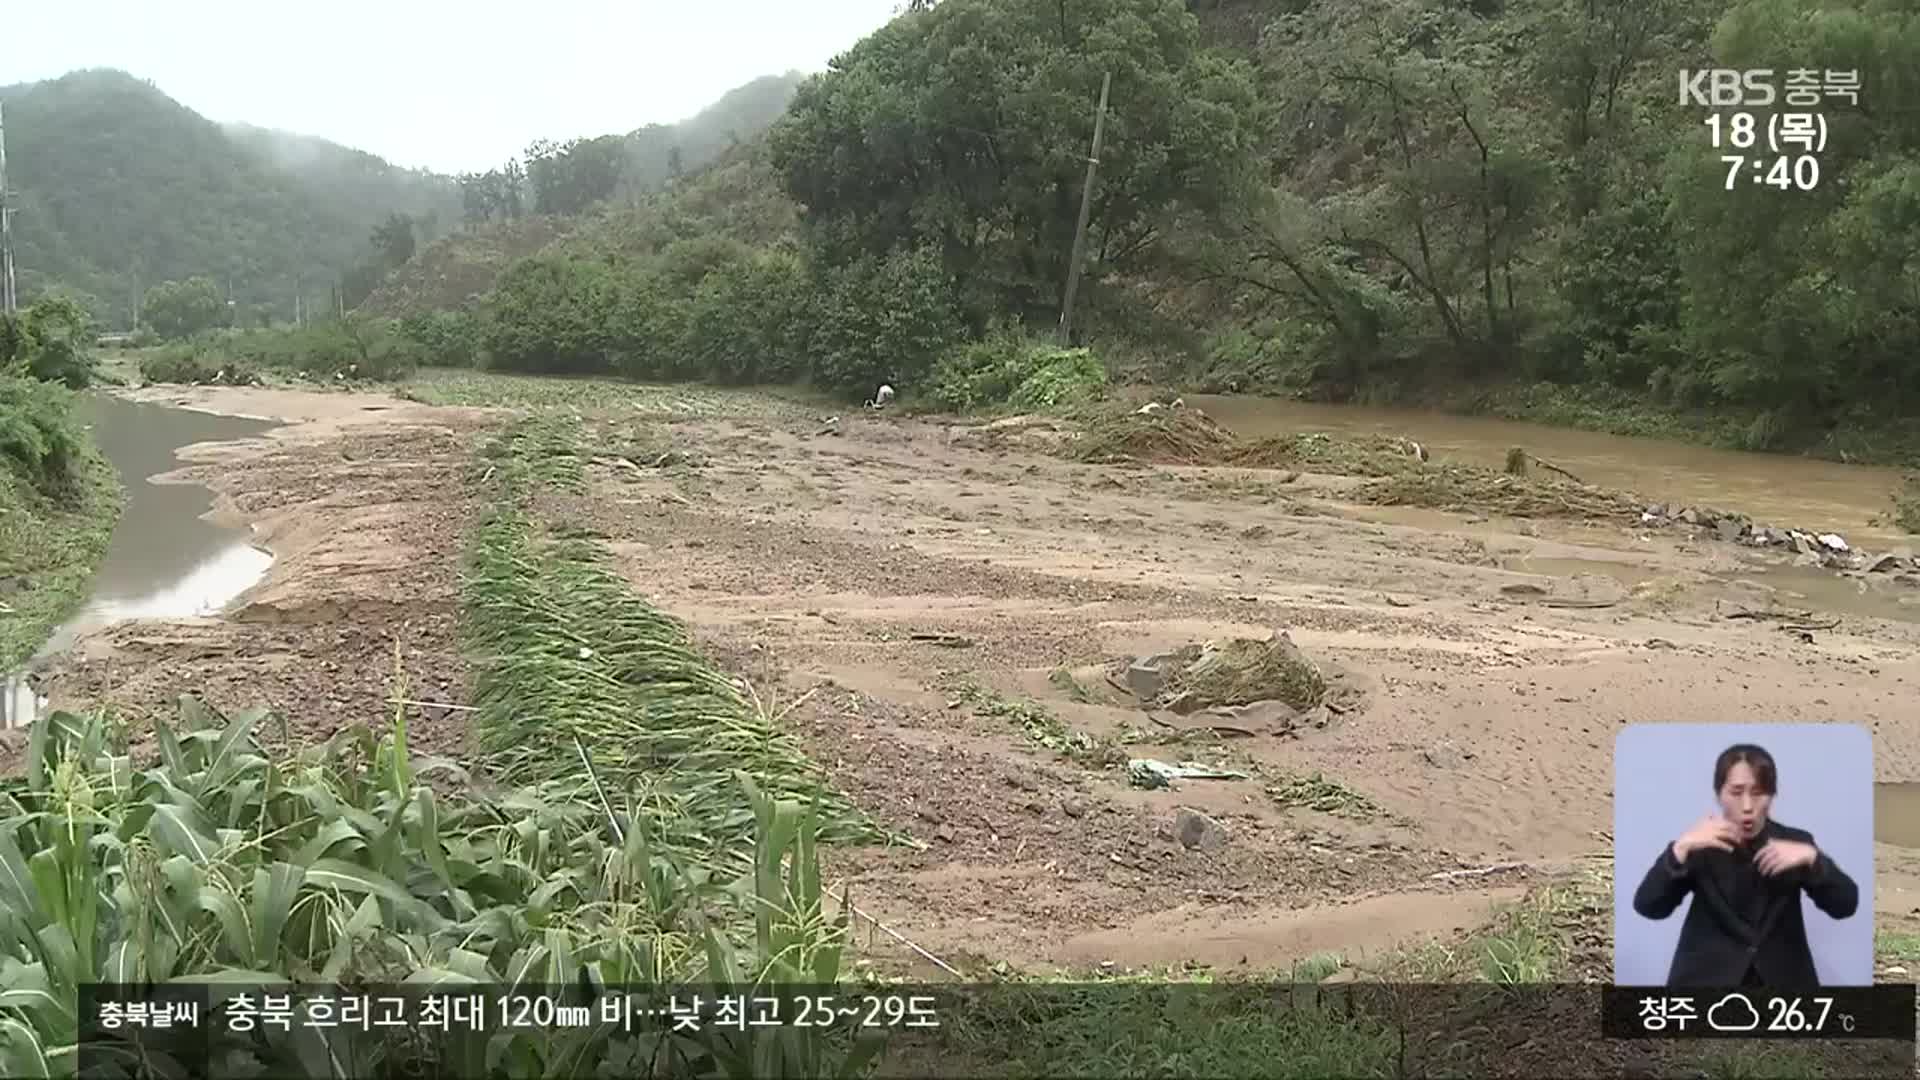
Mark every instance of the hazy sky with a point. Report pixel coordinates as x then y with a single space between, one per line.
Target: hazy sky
449 85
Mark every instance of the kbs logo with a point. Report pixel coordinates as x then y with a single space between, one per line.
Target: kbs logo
1726 86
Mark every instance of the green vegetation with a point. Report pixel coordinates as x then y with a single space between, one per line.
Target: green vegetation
48 341
1302 202
1906 503
178 309
573 663
1041 726
119 188
59 500
1318 793
227 861
1008 369
334 350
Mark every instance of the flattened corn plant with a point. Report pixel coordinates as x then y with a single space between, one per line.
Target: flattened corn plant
343 864
569 660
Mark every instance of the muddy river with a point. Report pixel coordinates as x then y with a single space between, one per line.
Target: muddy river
166 560
1791 492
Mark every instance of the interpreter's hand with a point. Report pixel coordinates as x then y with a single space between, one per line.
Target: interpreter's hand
1780 856
1712 831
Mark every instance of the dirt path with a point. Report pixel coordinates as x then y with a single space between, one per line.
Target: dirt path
808 562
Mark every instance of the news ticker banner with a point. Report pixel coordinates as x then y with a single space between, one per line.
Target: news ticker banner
948 1030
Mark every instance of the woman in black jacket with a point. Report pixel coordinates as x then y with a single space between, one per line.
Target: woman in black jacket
1746 872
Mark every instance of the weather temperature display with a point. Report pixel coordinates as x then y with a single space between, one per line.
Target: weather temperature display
1840 1012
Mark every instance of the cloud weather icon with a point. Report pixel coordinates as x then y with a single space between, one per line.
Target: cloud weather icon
1733 1013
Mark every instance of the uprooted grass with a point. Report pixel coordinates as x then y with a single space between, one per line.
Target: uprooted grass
564 650
1183 436
1463 487
1316 792
1244 671
1040 725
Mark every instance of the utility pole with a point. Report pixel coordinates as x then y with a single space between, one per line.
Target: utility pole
9 297
1086 211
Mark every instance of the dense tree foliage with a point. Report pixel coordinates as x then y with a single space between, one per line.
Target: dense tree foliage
50 341
1343 198
178 309
966 127
118 187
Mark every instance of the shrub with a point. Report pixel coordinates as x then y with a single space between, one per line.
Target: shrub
40 443
50 341
192 364
552 315
883 321
747 321
1008 369
443 338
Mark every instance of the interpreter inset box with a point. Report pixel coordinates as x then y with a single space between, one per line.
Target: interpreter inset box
1743 855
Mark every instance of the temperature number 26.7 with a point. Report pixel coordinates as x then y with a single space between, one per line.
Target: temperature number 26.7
1802 172
1788 1017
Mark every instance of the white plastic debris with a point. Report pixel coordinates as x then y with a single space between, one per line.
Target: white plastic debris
1833 542
1150 773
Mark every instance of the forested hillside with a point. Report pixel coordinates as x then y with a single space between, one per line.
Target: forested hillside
119 188
592 187
1385 199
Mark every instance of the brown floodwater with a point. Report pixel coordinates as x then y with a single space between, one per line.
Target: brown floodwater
165 560
1774 489
1896 814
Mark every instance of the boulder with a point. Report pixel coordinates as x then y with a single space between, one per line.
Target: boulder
1198 832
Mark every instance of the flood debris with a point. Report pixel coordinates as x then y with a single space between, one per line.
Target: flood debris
1187 436
1318 793
1243 687
1483 491
1829 550
1152 773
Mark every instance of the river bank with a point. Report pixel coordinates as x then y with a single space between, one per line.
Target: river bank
933 615
1862 440
50 546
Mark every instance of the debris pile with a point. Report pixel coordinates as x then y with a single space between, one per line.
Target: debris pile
1464 487
1829 550
1180 435
1239 687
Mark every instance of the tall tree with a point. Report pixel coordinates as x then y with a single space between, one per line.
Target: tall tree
966 127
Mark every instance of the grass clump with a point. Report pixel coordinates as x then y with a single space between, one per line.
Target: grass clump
1042 727
1463 487
1325 796
1119 435
1241 672
1184 436
1906 503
